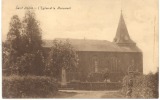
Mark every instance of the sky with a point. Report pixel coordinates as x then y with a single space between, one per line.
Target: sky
93 19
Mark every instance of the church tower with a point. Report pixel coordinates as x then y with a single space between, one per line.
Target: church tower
122 37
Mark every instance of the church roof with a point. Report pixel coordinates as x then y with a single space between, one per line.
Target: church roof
94 45
122 35
122 42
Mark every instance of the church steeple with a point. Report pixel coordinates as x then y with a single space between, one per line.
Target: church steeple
122 37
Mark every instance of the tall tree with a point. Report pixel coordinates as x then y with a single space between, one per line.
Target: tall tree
32 34
62 55
14 36
13 42
24 46
32 42
5 58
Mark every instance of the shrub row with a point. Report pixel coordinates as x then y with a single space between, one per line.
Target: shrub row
28 86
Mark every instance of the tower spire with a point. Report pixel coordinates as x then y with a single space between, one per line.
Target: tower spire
122 36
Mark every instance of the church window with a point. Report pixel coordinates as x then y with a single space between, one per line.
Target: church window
96 66
132 66
95 63
114 63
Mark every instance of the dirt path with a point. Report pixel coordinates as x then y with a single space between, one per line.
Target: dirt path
88 94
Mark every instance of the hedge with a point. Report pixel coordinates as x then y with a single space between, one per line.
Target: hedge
94 86
28 86
144 86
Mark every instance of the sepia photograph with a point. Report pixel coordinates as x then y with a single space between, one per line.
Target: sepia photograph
80 49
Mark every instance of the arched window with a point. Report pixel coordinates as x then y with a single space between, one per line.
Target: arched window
132 66
106 62
95 63
114 64
96 66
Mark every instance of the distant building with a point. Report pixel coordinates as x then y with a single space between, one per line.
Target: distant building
95 56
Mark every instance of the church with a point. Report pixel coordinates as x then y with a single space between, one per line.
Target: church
96 56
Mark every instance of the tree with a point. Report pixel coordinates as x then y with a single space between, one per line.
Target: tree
32 34
32 43
62 55
14 35
5 59
12 46
25 63
23 48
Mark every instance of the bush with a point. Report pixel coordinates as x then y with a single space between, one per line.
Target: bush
95 77
28 87
144 86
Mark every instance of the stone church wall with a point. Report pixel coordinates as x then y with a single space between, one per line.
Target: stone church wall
116 63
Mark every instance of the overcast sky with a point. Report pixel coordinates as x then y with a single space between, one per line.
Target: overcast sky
93 19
